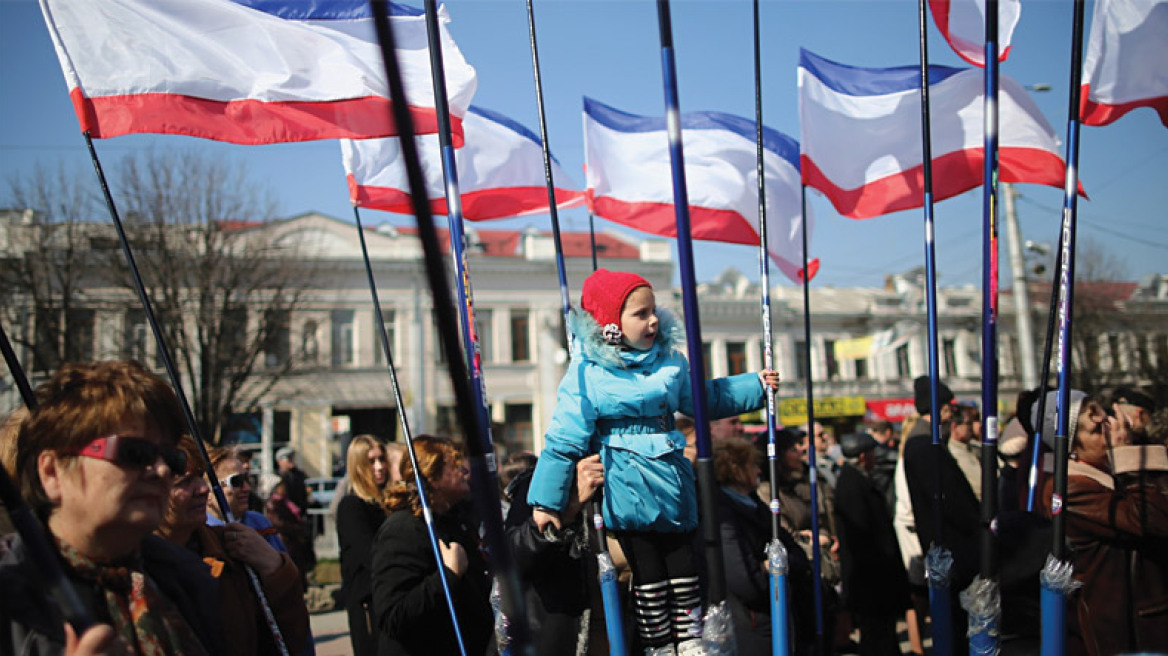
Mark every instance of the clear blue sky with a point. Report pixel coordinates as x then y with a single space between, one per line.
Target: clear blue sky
609 50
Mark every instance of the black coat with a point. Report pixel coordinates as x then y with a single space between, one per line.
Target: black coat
412 614
745 532
357 524
874 579
553 574
960 509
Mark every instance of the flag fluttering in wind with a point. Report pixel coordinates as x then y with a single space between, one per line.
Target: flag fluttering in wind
962 23
500 171
245 71
629 180
1127 61
862 135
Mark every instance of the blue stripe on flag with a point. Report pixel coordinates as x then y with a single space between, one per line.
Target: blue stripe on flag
324 9
772 140
860 81
509 123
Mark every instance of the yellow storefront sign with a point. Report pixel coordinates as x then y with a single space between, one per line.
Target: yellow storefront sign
794 411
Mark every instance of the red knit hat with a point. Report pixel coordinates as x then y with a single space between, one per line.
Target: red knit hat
604 296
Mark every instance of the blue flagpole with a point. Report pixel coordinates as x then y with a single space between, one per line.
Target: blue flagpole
1056 576
821 645
938 561
1048 345
469 399
419 482
777 566
607 575
718 637
983 603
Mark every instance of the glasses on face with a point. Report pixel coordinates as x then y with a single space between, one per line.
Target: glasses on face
235 481
134 452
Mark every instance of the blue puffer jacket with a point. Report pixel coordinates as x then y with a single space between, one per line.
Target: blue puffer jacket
620 403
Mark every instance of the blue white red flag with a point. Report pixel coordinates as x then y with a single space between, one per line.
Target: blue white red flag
962 23
1127 61
246 71
862 135
500 171
629 179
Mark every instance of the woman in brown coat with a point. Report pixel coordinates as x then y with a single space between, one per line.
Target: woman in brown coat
1117 532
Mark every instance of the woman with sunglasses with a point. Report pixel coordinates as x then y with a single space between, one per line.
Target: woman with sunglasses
359 515
95 462
223 550
237 488
410 608
1117 529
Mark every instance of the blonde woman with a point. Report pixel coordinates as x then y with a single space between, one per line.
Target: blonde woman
359 515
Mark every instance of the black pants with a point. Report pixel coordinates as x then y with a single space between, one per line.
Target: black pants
666 591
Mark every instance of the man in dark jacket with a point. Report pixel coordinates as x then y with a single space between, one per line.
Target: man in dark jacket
875 583
960 512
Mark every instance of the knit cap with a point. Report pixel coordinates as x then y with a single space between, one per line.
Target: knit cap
604 296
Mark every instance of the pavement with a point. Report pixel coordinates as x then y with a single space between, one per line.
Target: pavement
330 632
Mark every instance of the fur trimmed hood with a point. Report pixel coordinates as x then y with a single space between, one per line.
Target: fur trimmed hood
590 344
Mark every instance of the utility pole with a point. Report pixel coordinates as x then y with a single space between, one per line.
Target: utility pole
1021 293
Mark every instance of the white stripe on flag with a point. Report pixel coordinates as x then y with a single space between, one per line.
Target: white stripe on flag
216 69
1127 60
629 179
500 172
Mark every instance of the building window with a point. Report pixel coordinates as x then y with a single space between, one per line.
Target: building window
735 358
79 336
344 342
277 340
903 369
949 350
135 336
310 342
520 336
861 369
800 360
1113 345
439 343
829 359
389 318
46 352
517 427
707 356
233 345
484 331
1161 350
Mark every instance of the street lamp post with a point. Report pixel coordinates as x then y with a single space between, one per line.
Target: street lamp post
1021 293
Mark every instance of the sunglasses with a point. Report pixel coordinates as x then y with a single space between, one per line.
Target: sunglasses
134 453
235 481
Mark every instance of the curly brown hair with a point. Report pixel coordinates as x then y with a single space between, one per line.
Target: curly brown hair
84 401
434 455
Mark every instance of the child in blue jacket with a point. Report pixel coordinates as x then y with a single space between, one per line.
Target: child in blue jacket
618 398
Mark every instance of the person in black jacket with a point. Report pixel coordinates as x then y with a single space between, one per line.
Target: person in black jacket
552 565
875 583
745 528
359 515
960 510
411 610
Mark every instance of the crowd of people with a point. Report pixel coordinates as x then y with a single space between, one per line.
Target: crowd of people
106 464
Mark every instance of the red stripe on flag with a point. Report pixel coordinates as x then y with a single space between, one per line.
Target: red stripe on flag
484 205
1093 113
660 219
953 173
247 122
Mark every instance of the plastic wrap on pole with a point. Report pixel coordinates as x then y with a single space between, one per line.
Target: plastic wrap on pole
718 631
778 564
1056 579
610 595
984 604
938 565
502 625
